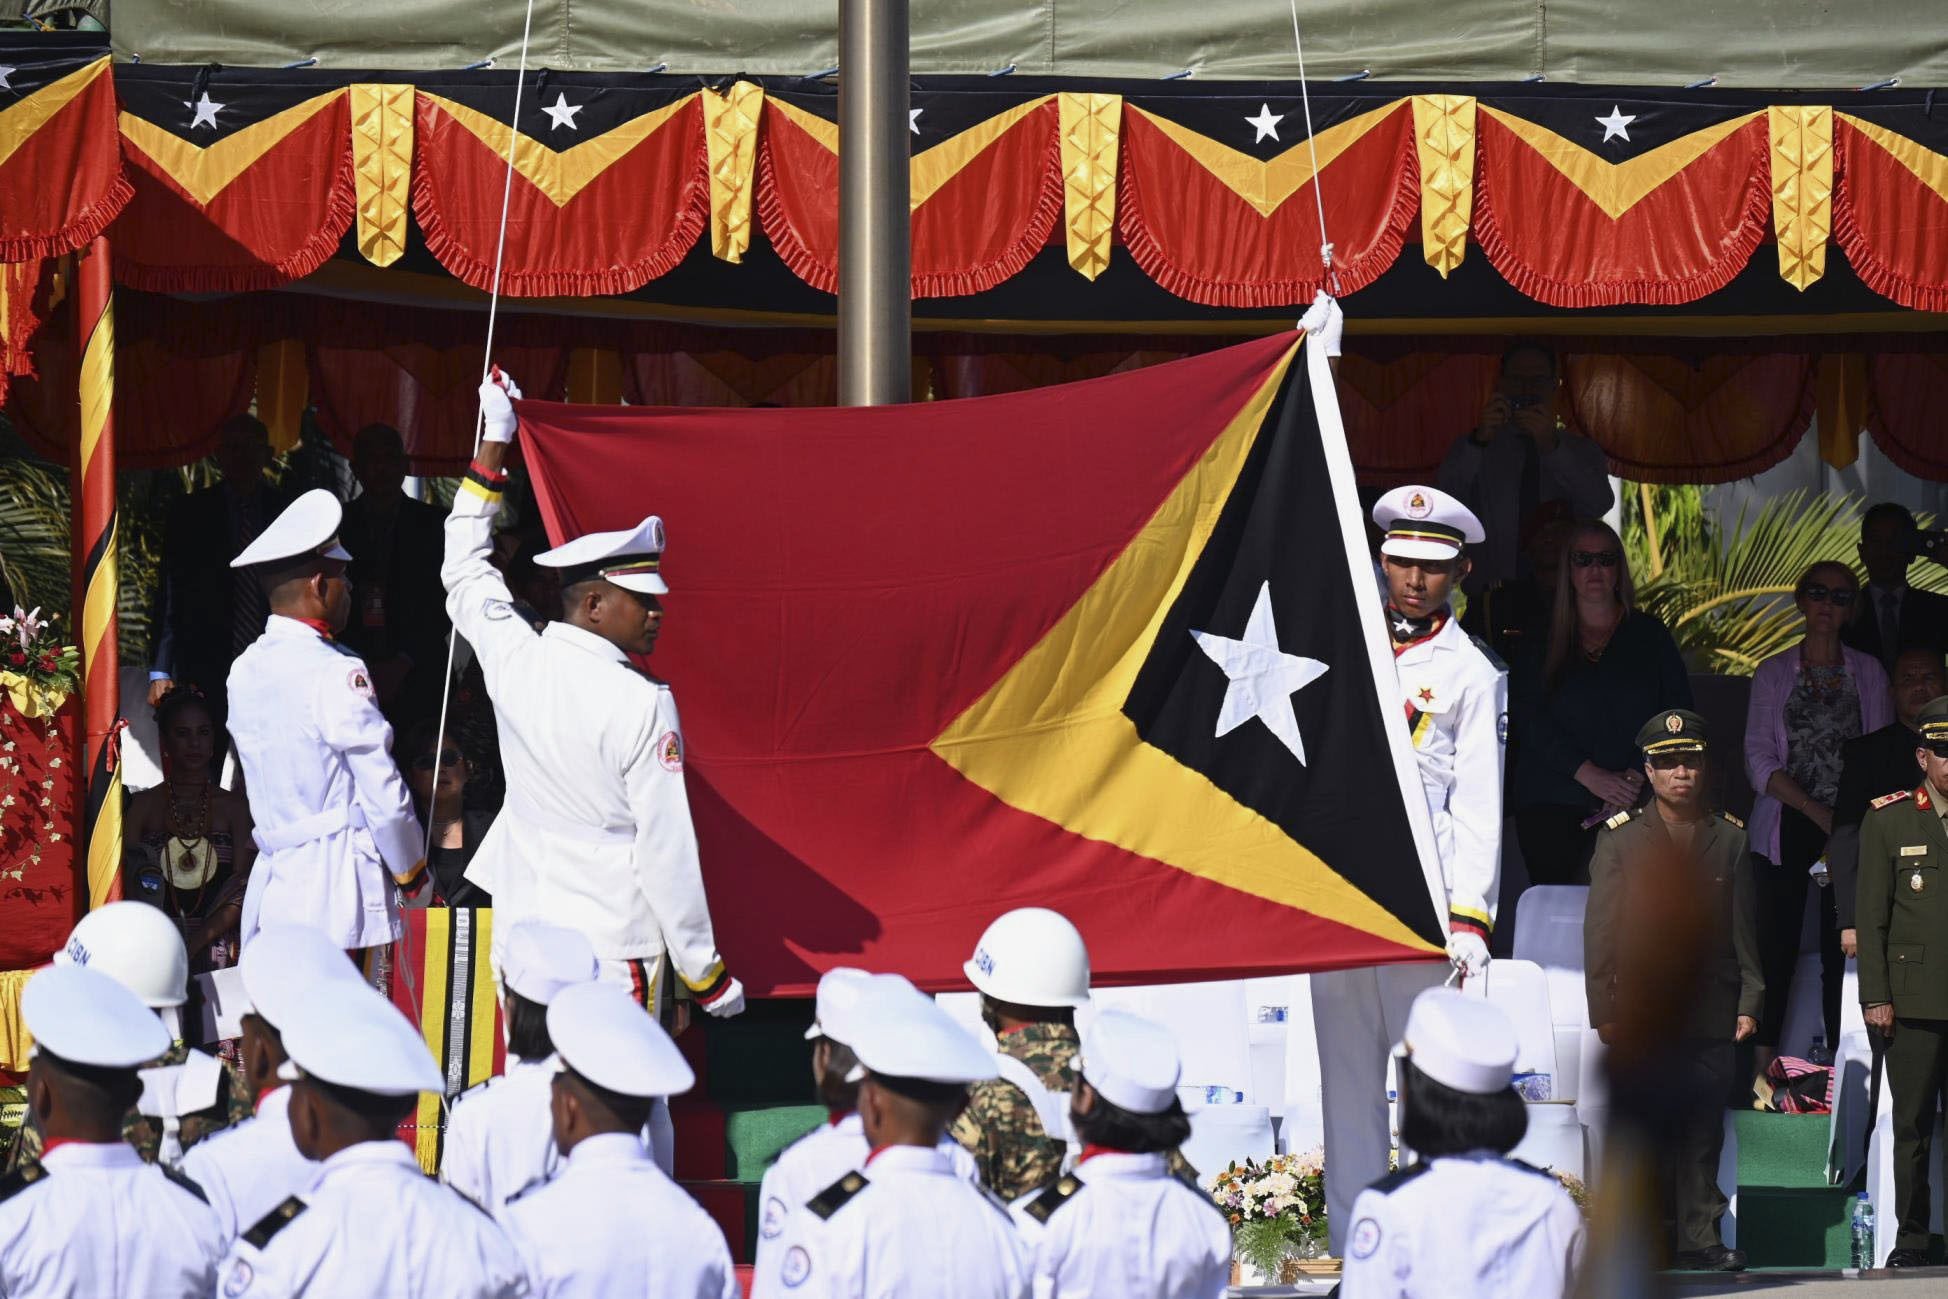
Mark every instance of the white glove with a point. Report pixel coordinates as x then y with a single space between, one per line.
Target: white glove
728 1001
497 408
1469 953
1324 321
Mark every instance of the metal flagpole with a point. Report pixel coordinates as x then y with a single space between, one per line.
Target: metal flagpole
875 254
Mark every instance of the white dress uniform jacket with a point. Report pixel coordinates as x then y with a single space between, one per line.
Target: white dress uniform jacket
373 1224
1469 1227
612 1226
595 834
335 823
94 1220
814 1162
1456 700
1121 1227
906 1226
251 1168
500 1137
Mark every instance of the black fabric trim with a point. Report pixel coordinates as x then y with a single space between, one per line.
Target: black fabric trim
19 1180
275 1221
1394 1181
1043 1206
836 1196
187 1182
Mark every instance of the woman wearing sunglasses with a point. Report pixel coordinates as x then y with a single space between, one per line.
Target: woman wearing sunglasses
1806 702
1575 705
437 774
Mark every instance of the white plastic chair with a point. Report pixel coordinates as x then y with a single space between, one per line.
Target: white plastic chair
1208 1020
1223 1134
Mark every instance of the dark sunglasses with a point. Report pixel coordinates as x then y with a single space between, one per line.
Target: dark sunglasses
448 758
1819 593
1668 761
1594 558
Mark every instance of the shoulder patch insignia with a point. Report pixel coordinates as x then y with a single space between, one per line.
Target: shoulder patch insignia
669 751
1365 1239
275 1221
1888 800
185 1181
1731 820
19 1180
359 683
1043 1206
1620 819
836 1196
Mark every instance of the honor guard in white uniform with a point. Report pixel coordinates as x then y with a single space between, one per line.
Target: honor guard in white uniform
1120 1226
611 1224
596 832
500 1137
91 1218
372 1223
251 1168
335 829
1454 703
835 1148
1466 1221
906 1224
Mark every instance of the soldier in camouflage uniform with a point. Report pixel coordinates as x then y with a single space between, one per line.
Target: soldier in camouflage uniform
144 1132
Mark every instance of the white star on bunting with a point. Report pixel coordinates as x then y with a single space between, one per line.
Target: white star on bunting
1263 677
913 119
1266 124
6 77
206 110
561 113
1616 125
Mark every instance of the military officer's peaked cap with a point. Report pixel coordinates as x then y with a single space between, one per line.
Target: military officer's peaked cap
284 966
346 1034
541 960
603 1035
1425 523
1460 1041
631 558
900 1032
83 1016
1131 1062
1675 730
1933 724
839 991
308 526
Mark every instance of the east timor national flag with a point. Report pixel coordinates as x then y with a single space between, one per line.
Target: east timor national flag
1112 647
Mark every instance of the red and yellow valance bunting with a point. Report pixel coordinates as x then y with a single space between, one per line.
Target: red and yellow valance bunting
228 180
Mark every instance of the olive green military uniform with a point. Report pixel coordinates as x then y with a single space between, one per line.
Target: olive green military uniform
1732 984
1902 913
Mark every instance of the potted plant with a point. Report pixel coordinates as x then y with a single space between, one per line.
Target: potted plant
1277 1212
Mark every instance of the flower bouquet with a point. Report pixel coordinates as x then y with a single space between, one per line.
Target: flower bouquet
1277 1211
37 671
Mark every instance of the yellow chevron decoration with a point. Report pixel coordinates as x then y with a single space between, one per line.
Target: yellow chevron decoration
1444 139
730 134
1092 129
382 168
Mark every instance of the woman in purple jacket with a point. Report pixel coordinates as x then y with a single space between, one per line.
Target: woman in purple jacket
1806 702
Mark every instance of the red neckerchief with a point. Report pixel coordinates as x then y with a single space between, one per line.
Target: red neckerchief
1091 1151
262 1092
318 625
837 1117
877 1152
1010 1032
1440 621
55 1143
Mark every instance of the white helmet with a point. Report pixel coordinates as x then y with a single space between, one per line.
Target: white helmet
136 945
1031 957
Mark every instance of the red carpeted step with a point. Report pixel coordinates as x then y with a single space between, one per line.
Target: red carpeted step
728 1204
700 1140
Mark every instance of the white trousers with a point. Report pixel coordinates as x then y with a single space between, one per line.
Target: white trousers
648 984
1357 1016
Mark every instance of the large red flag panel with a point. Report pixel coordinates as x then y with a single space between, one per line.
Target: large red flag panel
937 661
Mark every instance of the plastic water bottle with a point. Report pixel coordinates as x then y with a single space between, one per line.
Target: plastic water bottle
1863 1232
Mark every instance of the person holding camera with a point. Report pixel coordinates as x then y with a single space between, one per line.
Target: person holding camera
1893 615
1519 457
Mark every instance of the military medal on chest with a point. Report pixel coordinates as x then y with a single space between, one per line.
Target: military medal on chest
1916 882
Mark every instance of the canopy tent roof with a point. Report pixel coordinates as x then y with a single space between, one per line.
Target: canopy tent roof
1804 43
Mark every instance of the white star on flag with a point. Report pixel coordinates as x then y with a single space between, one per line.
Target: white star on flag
1616 124
1266 123
206 110
561 113
1263 677
6 77
913 119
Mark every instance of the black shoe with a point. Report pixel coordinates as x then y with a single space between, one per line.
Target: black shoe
1908 1258
1718 1258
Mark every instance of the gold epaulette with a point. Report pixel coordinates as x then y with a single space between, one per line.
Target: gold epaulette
1621 818
1727 816
1888 800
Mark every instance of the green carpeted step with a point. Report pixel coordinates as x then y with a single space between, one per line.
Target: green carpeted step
761 1056
1801 1227
1781 1150
754 1135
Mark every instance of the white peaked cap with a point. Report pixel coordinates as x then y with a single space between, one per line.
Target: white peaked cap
83 1016
1131 1062
839 990
603 1035
900 1032
1460 1041
285 965
538 960
346 1033
1425 523
631 558
308 526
